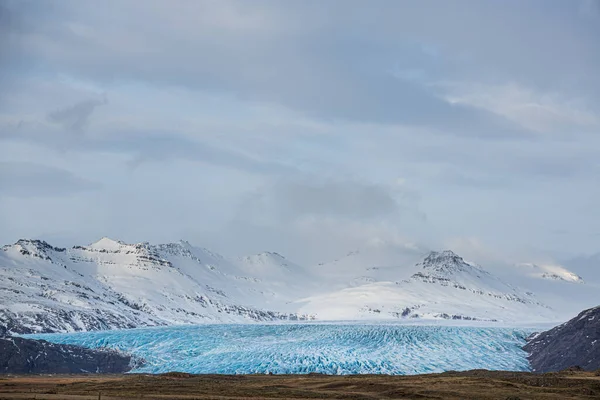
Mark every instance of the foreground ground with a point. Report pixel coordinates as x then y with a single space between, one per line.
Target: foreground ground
451 385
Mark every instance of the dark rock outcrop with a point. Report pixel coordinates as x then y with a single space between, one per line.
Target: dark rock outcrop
574 343
26 356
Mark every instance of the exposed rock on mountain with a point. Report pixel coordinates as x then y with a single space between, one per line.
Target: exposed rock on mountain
574 343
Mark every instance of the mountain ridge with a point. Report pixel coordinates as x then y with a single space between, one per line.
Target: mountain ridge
444 286
111 284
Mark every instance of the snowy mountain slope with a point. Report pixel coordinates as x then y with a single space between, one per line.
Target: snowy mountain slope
38 291
566 297
278 281
444 286
265 280
552 272
111 284
375 262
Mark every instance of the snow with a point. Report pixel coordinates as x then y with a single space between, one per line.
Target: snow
552 272
305 348
375 262
443 286
107 244
111 284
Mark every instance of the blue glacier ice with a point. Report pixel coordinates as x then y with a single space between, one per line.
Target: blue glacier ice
304 348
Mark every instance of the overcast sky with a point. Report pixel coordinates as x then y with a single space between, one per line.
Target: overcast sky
310 128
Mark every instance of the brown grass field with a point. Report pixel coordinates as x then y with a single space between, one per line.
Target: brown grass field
450 385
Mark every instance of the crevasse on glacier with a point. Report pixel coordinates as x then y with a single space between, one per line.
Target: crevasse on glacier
304 348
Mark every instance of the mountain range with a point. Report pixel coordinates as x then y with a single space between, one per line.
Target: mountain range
112 285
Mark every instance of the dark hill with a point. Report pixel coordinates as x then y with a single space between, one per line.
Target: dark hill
26 356
574 343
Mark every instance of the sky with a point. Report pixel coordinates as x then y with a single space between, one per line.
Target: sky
310 128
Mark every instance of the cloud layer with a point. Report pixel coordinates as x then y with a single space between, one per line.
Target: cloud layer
253 126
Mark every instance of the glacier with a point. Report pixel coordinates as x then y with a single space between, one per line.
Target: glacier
304 348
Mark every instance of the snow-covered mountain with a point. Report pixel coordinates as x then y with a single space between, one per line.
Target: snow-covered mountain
375 262
443 286
110 284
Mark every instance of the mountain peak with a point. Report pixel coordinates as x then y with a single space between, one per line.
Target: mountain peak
265 255
445 260
566 276
37 248
552 272
107 244
37 243
274 255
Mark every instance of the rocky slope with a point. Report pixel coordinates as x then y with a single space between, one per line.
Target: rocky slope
25 356
574 343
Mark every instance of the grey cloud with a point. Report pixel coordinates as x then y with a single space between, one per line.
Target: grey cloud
143 146
523 169
9 45
340 62
22 179
316 218
472 179
508 164
340 199
325 71
589 9
156 147
18 20
76 117
293 198
369 75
